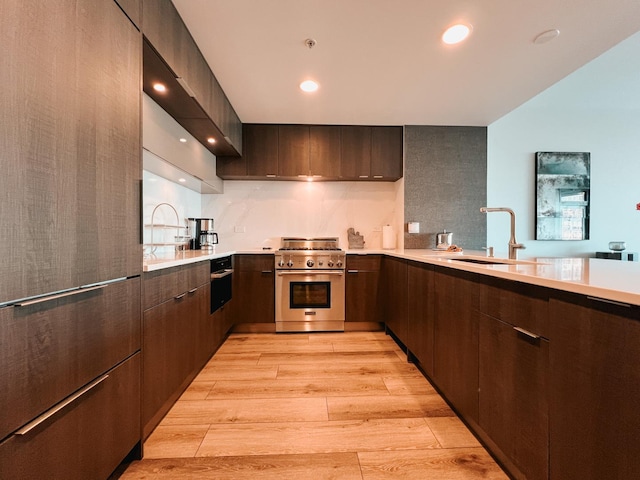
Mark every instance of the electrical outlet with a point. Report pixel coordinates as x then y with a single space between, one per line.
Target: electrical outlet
377 229
240 229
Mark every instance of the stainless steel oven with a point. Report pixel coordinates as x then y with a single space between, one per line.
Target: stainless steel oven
310 288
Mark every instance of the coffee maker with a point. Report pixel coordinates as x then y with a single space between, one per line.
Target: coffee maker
202 235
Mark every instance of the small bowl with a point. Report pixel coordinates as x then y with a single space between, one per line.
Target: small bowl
617 246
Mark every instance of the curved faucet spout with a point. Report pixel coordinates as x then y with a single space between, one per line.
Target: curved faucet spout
513 244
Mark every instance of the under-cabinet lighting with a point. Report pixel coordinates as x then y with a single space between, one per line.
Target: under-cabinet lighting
183 140
182 180
211 140
159 87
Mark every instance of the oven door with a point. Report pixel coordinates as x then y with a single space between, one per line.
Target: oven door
310 301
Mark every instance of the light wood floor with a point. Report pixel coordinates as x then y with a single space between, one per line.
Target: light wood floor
312 406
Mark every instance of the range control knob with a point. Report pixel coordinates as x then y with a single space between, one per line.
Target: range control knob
330 263
339 264
290 263
281 263
310 263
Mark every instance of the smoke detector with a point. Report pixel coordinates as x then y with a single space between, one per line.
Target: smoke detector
310 42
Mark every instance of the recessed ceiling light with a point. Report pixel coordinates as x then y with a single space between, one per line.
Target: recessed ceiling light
159 87
308 86
456 33
547 36
211 140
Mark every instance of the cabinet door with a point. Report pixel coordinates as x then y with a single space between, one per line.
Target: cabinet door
253 289
355 157
420 314
513 408
133 10
395 274
324 151
71 156
52 348
594 390
86 439
261 150
170 352
386 152
455 349
363 296
293 150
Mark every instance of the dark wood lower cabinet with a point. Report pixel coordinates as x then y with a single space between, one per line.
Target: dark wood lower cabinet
253 289
420 297
363 294
85 440
395 289
594 390
455 348
513 409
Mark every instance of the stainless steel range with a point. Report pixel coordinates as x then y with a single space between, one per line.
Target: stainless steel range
310 285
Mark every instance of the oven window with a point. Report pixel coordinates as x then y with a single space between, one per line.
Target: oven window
310 295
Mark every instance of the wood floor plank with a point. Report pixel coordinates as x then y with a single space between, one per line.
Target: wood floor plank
172 441
232 358
451 432
198 390
441 464
407 385
234 410
331 466
393 370
296 387
317 437
391 406
338 337
320 358
247 372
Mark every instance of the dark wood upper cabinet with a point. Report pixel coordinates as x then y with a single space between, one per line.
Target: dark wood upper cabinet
355 158
386 152
293 150
133 10
261 150
324 150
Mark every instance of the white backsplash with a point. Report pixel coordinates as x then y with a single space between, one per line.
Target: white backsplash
256 214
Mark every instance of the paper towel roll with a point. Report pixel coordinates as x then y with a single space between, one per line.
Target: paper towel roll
388 237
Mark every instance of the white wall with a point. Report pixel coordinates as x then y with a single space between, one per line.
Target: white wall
597 110
271 209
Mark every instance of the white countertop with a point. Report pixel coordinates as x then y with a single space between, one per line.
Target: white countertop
607 279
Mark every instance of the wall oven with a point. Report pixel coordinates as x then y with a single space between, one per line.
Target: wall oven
310 288
221 280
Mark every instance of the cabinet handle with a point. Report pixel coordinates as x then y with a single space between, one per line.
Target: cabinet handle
178 297
193 290
59 295
353 271
363 176
378 176
56 408
267 271
611 302
527 333
215 276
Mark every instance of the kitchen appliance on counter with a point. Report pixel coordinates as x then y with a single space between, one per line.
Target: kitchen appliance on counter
444 240
221 282
310 285
202 235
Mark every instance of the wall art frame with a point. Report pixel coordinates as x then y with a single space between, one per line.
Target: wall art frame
563 195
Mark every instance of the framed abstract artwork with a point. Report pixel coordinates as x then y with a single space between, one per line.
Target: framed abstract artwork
562 195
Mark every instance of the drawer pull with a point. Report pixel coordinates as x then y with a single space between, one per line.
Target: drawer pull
611 302
178 297
527 333
217 275
267 271
353 271
56 408
193 290
48 298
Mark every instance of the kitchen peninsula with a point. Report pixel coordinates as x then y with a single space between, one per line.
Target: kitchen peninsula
527 353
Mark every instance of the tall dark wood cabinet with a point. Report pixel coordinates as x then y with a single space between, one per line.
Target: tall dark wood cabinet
455 348
364 295
421 322
293 150
594 387
324 150
70 322
395 289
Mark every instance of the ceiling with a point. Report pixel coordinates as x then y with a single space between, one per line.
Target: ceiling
381 62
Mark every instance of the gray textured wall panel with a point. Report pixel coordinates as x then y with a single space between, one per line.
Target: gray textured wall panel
445 184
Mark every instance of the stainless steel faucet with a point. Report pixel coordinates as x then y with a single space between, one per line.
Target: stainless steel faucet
513 245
